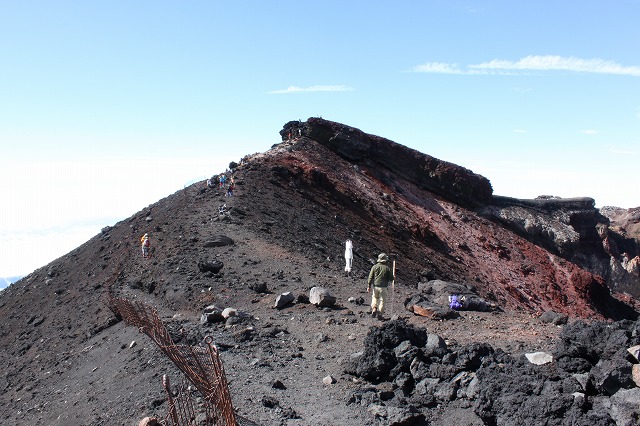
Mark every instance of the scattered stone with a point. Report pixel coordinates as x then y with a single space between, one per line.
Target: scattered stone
539 358
229 312
211 314
149 421
329 380
213 266
270 402
635 374
284 299
289 413
278 385
635 352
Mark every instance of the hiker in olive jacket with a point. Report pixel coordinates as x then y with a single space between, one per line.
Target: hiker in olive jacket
380 276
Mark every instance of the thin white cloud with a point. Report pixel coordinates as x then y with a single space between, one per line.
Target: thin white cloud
438 68
296 89
533 63
589 132
622 151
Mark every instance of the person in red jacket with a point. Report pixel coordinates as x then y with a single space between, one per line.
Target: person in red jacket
146 244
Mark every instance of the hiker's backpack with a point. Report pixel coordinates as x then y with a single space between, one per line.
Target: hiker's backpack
454 302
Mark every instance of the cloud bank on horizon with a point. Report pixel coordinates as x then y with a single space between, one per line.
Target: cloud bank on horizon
531 63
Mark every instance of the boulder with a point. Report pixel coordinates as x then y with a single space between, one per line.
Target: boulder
437 292
551 317
609 376
284 299
229 312
218 241
625 406
211 314
434 341
213 266
320 296
434 312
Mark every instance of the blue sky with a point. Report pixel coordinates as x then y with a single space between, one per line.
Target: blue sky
106 107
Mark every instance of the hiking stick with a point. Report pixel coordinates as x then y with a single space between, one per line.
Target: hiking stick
393 289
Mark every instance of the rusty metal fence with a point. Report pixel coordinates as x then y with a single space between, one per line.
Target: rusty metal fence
201 366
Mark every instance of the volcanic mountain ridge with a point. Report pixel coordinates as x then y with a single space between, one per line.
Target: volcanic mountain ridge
71 360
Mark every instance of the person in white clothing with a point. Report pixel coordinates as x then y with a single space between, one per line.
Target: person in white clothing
348 256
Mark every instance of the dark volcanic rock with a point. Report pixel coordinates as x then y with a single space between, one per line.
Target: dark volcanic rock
218 241
210 266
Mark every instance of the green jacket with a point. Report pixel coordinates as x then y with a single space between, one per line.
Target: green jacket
380 275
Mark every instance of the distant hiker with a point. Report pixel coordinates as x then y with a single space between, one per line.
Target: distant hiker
380 276
230 190
348 256
146 244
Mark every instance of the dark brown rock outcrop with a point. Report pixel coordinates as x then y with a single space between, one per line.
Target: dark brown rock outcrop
441 177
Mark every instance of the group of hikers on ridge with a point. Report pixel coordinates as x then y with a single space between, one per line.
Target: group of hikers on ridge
224 182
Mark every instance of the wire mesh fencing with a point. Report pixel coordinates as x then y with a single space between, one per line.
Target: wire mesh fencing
201 366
